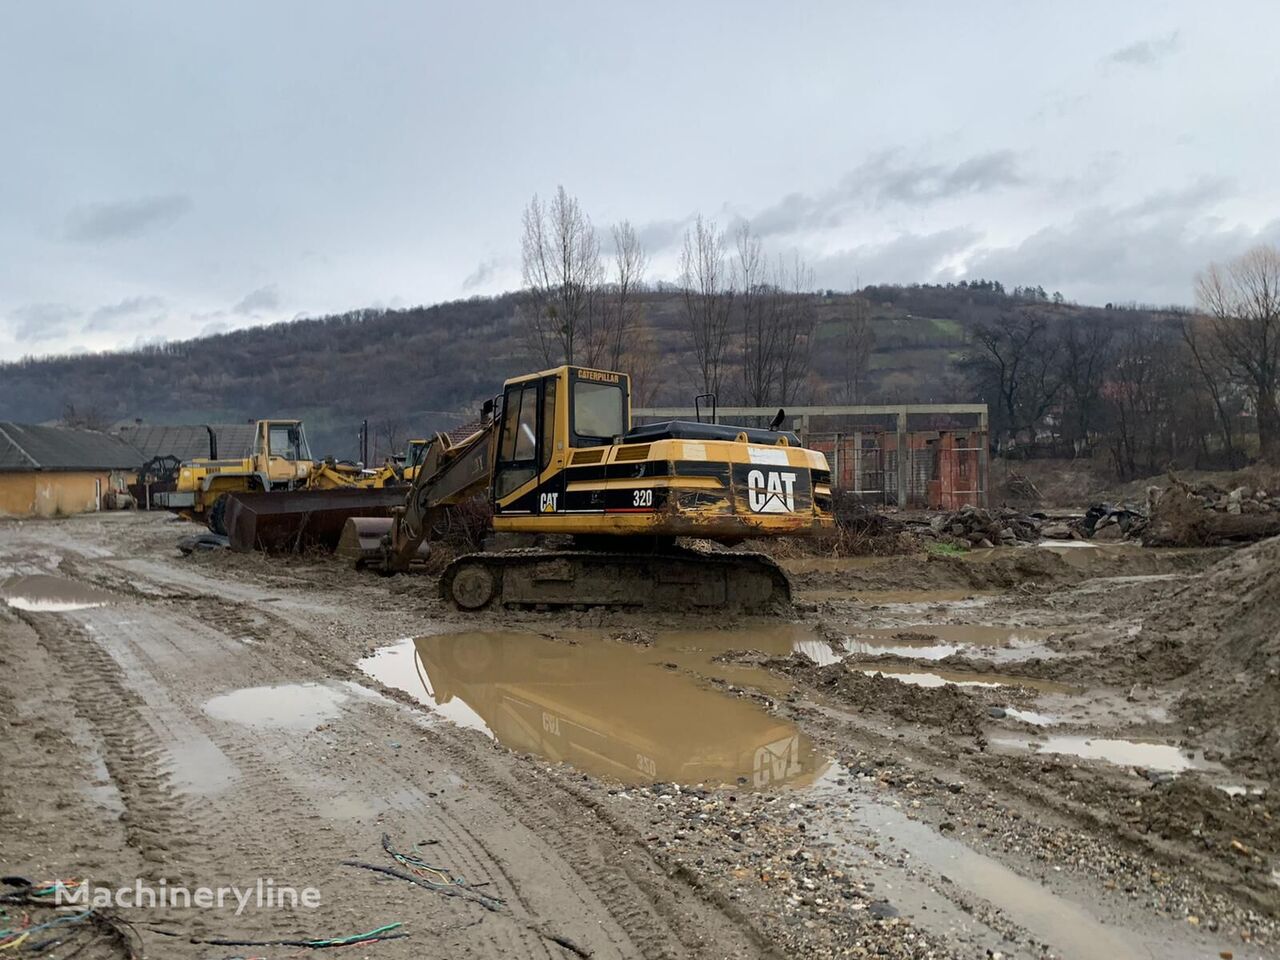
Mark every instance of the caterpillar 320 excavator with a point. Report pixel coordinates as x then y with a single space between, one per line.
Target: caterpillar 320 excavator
557 454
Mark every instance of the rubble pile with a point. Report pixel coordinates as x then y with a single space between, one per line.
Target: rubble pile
975 527
1205 515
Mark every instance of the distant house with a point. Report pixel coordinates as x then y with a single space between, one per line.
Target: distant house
234 440
52 471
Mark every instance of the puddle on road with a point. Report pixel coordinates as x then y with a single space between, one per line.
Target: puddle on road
1031 716
291 706
607 708
935 641
898 598
926 677
45 593
1066 925
196 765
1151 755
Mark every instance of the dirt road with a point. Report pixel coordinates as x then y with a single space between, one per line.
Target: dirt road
930 759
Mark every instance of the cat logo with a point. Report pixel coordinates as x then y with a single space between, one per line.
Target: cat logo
547 502
773 492
777 761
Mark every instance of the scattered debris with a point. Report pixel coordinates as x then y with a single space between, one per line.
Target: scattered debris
1205 515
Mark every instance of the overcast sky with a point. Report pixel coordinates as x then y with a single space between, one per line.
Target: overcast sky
169 169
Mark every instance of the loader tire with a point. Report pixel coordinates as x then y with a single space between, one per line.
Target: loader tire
217 520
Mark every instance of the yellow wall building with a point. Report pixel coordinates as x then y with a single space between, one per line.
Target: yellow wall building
56 471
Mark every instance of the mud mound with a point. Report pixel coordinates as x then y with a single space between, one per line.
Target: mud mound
1205 516
1222 632
958 712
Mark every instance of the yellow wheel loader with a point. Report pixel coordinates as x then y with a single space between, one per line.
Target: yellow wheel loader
281 462
557 454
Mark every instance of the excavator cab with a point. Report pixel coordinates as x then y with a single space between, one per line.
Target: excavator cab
543 419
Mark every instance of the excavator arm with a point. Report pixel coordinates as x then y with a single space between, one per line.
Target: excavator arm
450 473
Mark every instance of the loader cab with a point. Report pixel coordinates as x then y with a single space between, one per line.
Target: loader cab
542 419
283 445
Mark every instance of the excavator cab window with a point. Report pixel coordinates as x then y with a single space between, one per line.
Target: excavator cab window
518 445
599 413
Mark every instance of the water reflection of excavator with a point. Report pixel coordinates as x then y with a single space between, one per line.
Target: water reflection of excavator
557 454
594 706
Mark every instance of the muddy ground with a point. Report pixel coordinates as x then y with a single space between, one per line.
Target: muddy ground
1021 752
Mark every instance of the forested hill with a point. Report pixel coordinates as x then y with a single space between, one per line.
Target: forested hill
412 371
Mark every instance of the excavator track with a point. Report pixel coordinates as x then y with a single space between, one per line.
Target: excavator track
671 580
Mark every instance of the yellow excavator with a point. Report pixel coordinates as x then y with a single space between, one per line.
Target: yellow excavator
281 461
557 454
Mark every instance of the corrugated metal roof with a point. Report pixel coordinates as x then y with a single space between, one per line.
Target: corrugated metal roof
29 447
235 440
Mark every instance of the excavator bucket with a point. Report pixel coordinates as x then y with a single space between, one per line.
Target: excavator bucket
290 522
362 539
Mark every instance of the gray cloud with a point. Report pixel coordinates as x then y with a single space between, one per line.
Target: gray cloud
262 299
124 219
908 258
114 315
886 179
1108 253
482 274
1144 53
42 321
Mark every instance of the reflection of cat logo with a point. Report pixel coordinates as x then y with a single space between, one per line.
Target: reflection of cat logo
777 761
776 494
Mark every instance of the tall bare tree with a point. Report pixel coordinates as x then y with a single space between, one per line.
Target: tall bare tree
1084 349
857 340
1014 361
623 311
1204 352
756 318
562 272
642 360
1242 301
797 317
707 299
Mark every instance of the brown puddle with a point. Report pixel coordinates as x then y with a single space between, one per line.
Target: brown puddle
1150 754
44 593
606 708
928 677
290 706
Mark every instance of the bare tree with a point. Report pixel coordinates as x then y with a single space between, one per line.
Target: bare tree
1014 361
1207 364
707 300
756 319
796 318
562 271
391 430
1242 302
1084 349
1139 397
623 311
86 417
642 360
857 340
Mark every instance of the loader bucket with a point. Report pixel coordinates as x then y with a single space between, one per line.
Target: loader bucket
289 522
361 541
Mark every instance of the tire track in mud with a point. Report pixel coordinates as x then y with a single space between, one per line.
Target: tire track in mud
661 915
156 820
617 891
